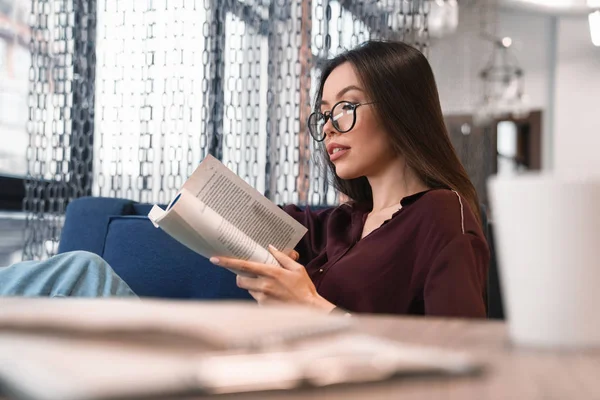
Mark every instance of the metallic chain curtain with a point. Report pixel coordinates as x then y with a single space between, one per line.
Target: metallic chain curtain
61 117
127 97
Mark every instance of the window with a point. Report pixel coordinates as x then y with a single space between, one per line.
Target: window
157 87
151 97
14 85
12 227
244 121
507 148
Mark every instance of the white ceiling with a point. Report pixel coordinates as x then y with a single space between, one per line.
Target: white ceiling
550 6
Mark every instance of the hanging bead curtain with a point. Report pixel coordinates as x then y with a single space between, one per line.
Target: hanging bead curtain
127 97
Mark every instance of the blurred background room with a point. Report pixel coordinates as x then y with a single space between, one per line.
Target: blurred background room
122 99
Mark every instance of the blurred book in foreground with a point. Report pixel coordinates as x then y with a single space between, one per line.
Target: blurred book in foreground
107 349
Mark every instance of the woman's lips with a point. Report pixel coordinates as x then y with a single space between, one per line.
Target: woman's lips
340 153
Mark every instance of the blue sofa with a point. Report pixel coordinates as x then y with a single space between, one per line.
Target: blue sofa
150 261
156 265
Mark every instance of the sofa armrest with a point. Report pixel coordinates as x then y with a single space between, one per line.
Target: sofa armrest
86 223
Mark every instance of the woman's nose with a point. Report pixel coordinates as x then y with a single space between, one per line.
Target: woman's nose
328 128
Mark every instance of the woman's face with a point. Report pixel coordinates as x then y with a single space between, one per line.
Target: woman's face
365 150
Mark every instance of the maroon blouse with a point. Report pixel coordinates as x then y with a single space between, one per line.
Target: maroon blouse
430 258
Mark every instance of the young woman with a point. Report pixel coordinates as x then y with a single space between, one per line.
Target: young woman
410 240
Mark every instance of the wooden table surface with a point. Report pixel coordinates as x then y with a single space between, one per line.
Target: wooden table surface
510 372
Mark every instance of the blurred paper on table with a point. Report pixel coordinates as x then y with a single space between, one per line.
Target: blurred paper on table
108 349
221 325
38 367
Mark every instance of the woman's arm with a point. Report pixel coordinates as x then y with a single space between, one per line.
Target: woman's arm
456 281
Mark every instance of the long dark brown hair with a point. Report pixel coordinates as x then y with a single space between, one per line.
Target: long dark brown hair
399 79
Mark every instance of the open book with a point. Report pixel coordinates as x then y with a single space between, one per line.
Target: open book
216 213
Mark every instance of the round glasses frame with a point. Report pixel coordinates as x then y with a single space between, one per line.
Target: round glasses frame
313 124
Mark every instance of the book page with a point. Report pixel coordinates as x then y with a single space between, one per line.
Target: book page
243 206
201 229
177 223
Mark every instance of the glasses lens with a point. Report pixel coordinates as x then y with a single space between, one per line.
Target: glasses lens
343 116
316 122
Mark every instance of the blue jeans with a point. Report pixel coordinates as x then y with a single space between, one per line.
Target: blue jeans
79 274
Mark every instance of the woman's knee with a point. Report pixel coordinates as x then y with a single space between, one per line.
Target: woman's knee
81 265
84 260
87 273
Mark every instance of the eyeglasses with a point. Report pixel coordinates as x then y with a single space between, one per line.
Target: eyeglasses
342 115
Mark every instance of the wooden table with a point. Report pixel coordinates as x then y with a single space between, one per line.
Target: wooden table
510 373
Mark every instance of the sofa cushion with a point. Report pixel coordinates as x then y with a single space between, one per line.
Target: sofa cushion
144 208
155 265
86 223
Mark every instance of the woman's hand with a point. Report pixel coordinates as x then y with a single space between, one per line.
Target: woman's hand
272 283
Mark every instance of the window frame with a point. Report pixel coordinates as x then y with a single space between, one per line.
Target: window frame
12 193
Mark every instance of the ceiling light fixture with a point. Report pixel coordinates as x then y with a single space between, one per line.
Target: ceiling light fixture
503 85
552 3
595 27
593 3
594 19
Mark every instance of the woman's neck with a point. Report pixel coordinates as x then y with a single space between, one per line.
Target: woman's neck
394 183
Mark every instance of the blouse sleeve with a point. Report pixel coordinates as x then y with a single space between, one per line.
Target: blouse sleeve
455 283
316 222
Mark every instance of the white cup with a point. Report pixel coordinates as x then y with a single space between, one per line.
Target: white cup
547 238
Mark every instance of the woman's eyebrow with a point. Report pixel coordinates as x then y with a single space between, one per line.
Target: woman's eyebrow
347 89
341 93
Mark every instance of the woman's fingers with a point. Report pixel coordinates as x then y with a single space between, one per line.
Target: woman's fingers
250 284
291 253
283 259
258 296
261 298
248 267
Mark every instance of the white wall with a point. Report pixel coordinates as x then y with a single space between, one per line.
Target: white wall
562 78
531 35
577 112
458 59
533 45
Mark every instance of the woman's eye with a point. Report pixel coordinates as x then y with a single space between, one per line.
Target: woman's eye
348 106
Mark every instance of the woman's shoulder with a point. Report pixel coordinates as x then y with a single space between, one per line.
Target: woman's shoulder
446 210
